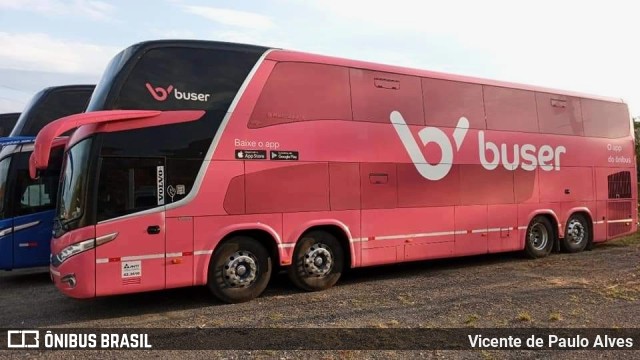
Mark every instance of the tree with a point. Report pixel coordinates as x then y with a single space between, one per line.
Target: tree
636 130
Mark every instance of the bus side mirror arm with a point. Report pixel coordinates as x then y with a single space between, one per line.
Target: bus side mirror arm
34 172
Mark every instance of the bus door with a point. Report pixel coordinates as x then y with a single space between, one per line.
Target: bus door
32 203
130 256
6 223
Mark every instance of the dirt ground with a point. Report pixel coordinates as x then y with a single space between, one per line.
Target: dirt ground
598 288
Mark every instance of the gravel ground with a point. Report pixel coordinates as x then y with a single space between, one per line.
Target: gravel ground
598 288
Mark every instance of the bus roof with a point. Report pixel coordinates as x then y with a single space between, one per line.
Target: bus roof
278 54
49 104
7 122
296 56
11 115
197 43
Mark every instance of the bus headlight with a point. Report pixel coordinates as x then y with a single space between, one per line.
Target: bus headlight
72 250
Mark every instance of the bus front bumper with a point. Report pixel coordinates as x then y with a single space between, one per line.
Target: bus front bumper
75 277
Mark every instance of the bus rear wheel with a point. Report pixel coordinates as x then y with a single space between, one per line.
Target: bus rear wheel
318 261
576 235
239 270
539 237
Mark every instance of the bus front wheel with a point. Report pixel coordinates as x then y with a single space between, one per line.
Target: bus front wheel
318 261
239 270
539 238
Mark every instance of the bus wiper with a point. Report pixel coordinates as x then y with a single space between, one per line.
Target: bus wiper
59 225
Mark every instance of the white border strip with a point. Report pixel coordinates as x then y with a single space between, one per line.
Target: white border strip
156 256
419 235
203 252
489 230
353 240
619 221
142 257
25 226
438 233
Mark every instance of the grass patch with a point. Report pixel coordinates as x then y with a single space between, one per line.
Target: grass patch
555 316
404 300
619 292
388 324
633 239
565 282
486 355
471 319
524 316
558 282
577 312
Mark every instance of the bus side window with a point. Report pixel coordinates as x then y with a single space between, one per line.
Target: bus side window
35 195
376 94
605 119
445 102
559 114
32 196
510 109
130 184
303 92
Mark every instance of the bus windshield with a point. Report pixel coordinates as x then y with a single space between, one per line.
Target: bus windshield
73 182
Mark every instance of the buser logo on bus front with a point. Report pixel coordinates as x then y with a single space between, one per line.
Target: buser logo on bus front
161 94
490 154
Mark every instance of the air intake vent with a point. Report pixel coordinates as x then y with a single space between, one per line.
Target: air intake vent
620 185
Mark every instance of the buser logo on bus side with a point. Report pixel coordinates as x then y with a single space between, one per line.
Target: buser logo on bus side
490 154
161 94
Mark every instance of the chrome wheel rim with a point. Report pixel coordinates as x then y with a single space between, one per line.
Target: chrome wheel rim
241 269
318 260
538 236
575 231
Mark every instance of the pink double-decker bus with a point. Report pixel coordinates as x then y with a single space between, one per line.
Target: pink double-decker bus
206 163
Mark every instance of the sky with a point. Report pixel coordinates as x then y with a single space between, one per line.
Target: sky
584 46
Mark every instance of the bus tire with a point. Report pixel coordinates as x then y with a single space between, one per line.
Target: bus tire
539 238
318 261
577 234
239 270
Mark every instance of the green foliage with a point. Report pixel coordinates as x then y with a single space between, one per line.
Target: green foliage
636 130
